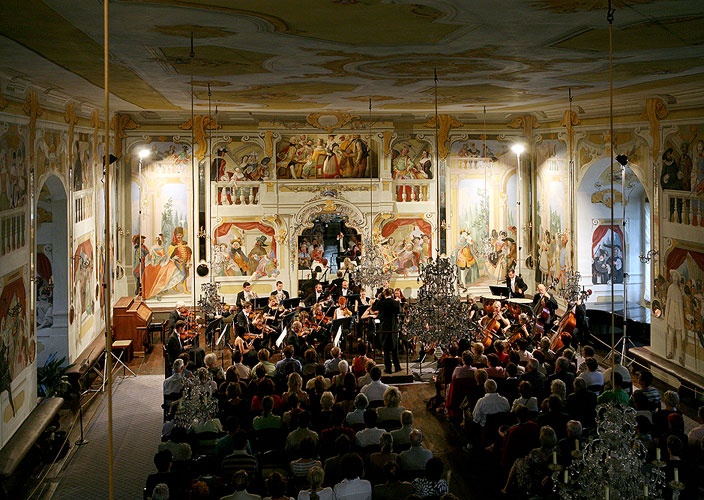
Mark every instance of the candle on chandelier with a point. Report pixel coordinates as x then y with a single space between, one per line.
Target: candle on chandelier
677 475
645 491
576 444
554 458
606 493
566 477
657 454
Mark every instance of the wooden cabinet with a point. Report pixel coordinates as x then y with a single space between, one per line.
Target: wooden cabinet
131 318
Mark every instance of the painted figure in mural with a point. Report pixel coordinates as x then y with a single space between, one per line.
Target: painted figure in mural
601 269
544 258
403 168
618 264
14 335
44 309
217 168
139 256
686 167
159 272
426 164
676 335
359 152
316 157
698 184
257 252
286 160
240 263
425 252
563 259
466 259
180 254
331 165
266 266
407 259
670 177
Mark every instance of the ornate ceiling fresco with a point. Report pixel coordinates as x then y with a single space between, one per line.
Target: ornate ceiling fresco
272 57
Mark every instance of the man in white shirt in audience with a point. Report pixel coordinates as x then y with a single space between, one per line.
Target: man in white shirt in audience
376 388
402 436
174 384
353 487
491 403
371 435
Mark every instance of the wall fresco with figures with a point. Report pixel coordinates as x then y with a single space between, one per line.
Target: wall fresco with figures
482 209
164 193
411 160
332 156
406 245
245 249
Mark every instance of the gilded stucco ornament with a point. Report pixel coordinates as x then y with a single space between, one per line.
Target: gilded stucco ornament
202 122
654 111
526 122
70 118
33 110
119 124
330 120
445 123
3 102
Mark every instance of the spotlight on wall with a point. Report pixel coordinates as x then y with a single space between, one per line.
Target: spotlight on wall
143 153
518 148
622 159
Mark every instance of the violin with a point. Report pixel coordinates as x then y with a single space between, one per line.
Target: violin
321 319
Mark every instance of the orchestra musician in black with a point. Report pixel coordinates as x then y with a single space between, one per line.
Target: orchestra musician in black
280 293
387 310
178 314
318 296
245 295
543 298
515 284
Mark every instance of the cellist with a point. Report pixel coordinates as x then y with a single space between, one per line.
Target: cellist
544 300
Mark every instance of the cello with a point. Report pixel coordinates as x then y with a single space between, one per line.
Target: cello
568 322
541 313
493 326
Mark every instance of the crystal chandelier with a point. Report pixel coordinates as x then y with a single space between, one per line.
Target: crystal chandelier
197 404
372 271
438 316
571 291
612 464
209 301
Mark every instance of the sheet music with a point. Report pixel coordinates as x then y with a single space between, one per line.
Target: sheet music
281 338
338 336
224 331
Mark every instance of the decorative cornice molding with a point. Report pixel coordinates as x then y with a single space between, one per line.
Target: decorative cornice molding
444 124
341 119
199 124
119 124
655 110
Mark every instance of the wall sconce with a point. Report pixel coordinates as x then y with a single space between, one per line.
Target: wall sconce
122 232
648 256
201 233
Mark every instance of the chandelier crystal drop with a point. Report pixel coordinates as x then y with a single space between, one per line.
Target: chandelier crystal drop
209 301
371 272
438 316
614 458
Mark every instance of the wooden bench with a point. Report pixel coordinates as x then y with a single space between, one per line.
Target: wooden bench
85 363
692 383
16 449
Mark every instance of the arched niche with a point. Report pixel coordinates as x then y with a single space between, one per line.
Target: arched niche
593 234
52 270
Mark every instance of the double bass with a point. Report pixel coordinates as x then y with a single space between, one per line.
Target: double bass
568 322
541 313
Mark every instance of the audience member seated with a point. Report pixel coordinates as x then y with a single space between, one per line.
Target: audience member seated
500 352
520 438
508 386
161 492
625 376
367 377
494 370
488 405
310 357
286 360
293 440
267 420
535 377
376 388
316 476
359 363
465 370
174 384
587 352
346 395
527 474
333 465
329 435
338 380
392 489
269 367
562 372
526 398
356 416
243 371
239 459
391 409
558 388
177 445
581 404
290 418
675 459
377 460
163 474
295 386
554 416
696 435
240 481
305 462
371 434
431 485
615 394
592 376
353 487
645 379
323 419
331 365
216 372
415 458
570 443
276 487
402 436
226 444
671 400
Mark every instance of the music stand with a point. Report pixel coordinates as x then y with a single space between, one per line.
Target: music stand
339 325
499 290
281 338
291 303
260 302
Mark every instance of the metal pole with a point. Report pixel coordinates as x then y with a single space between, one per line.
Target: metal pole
437 161
108 264
623 262
610 19
139 238
518 225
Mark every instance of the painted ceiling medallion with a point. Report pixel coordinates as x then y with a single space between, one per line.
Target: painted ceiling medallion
330 120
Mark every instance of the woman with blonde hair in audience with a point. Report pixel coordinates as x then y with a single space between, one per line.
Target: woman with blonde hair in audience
295 386
377 460
338 380
527 473
316 476
323 419
478 352
559 388
391 409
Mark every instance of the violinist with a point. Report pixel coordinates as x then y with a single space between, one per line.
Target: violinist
246 347
295 338
245 295
317 296
271 312
545 300
243 320
363 300
515 284
342 311
174 344
178 314
380 291
474 311
280 293
344 289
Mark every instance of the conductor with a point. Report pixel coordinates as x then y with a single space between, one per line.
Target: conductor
387 310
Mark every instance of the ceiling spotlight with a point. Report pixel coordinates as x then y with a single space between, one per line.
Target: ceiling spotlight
622 159
143 153
518 148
